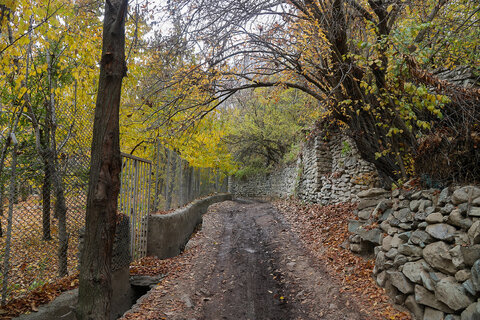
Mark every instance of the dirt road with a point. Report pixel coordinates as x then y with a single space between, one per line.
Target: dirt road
248 265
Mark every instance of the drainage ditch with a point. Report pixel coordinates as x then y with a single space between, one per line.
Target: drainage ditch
63 306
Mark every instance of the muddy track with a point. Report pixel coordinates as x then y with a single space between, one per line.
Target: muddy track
250 265
244 271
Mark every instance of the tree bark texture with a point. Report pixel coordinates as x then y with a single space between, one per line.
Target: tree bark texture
2 183
46 193
95 289
8 240
3 157
50 156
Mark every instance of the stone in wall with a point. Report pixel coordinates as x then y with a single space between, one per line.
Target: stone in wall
371 207
279 183
349 174
429 253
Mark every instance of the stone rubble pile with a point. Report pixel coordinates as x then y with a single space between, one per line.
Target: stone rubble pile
426 246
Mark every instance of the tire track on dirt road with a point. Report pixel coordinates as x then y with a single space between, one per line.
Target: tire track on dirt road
249 265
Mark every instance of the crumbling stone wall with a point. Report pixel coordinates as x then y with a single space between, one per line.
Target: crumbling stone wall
427 248
328 171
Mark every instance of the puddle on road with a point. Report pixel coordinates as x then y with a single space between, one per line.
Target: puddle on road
249 250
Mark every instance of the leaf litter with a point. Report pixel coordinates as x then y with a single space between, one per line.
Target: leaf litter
324 231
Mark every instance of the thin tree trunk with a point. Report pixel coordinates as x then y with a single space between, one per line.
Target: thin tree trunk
15 119
61 212
46 189
2 184
95 289
8 241
51 157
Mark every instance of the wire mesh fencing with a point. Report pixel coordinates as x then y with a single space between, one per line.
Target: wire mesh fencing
43 202
42 207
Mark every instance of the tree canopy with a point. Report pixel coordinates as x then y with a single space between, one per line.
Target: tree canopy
369 64
375 67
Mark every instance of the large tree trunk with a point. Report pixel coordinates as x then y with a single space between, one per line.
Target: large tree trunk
95 289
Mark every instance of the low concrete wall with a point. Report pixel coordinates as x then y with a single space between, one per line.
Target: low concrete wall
61 308
168 233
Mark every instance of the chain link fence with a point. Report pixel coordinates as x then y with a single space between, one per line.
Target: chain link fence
43 192
43 200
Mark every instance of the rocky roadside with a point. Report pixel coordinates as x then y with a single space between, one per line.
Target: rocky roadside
427 248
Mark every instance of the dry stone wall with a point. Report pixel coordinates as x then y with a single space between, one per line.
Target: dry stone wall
427 248
426 244
278 183
348 175
327 171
